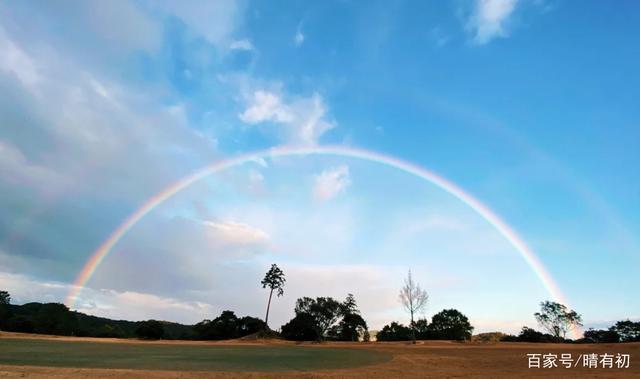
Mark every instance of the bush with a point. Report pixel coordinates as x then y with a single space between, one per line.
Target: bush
250 325
394 332
228 326
601 336
300 328
530 335
489 337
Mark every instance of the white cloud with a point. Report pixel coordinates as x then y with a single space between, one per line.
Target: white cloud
141 306
215 20
304 118
261 161
127 305
16 61
135 29
376 295
71 131
184 255
310 114
237 233
298 39
328 231
15 168
266 106
87 119
330 183
489 18
243 44
374 287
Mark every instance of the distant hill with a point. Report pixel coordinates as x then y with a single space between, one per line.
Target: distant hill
57 319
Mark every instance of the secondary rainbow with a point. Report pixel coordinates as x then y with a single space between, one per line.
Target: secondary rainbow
505 230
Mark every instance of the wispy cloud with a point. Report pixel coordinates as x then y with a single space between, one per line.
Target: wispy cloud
305 118
237 233
489 18
130 305
16 169
439 37
215 20
16 61
72 130
242 44
329 183
298 39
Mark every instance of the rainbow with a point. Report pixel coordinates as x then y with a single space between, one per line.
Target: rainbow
349 152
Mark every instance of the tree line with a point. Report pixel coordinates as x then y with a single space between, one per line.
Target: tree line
315 319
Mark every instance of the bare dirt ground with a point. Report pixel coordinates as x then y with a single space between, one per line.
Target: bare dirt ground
439 359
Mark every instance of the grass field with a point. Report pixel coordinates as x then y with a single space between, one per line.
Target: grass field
54 353
35 356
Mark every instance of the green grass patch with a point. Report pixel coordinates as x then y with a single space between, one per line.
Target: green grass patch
183 357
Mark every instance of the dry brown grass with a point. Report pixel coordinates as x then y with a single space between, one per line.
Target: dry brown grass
440 359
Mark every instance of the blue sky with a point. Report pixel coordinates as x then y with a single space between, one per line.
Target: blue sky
530 106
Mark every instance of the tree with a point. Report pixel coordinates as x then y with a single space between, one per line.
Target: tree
5 308
110 331
300 328
349 305
422 329
151 330
325 312
314 318
601 336
628 330
352 326
5 298
56 319
317 319
274 279
20 324
529 335
450 324
224 326
414 299
394 332
249 325
227 326
557 319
